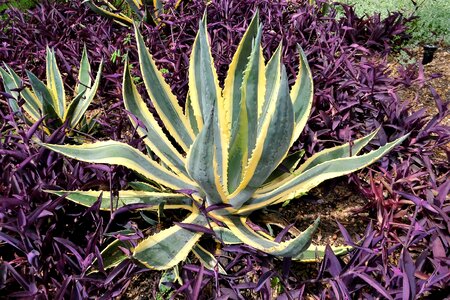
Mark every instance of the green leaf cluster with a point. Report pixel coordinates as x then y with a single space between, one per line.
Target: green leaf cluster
49 99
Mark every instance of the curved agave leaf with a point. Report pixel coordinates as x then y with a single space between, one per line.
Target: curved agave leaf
163 99
9 85
117 153
292 248
202 166
342 151
302 95
44 95
154 199
305 181
314 253
153 135
207 259
120 18
167 248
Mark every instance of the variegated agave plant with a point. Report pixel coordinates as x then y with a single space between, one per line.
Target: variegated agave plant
50 99
231 142
143 10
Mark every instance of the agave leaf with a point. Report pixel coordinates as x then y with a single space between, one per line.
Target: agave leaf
204 90
55 84
235 77
205 95
245 129
153 135
162 97
273 79
144 186
170 246
287 166
135 6
302 95
305 181
44 96
84 74
253 90
342 151
9 84
112 255
315 253
291 248
120 18
70 112
276 130
202 166
189 112
117 153
153 199
207 259
82 106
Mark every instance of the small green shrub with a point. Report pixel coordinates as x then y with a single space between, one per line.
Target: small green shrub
20 4
431 26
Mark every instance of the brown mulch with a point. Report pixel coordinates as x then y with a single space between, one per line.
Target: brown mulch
439 70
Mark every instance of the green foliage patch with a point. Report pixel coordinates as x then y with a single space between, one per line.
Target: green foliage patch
431 26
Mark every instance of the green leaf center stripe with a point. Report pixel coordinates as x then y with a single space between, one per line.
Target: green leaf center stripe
170 246
117 153
203 83
162 97
90 92
9 84
55 84
88 198
233 81
202 166
252 92
302 95
273 79
272 145
155 137
84 74
291 248
43 94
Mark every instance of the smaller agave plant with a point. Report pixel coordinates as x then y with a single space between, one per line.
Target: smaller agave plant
143 10
50 99
229 143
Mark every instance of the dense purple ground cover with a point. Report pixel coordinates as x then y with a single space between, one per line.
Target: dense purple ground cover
49 243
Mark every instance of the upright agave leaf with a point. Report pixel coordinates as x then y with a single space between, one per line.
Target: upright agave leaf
49 98
231 142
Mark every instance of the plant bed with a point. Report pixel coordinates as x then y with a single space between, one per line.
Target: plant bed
353 97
